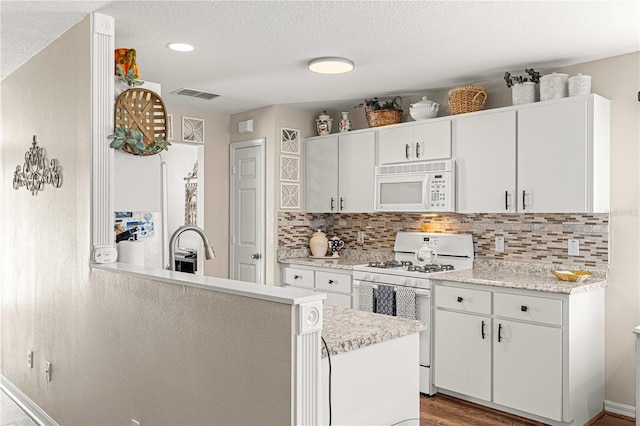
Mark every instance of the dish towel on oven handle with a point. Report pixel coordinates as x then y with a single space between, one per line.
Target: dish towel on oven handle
386 300
365 297
406 303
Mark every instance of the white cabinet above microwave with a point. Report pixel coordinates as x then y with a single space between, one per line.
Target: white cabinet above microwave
417 141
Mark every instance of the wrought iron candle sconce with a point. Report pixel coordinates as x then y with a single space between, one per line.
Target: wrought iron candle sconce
36 173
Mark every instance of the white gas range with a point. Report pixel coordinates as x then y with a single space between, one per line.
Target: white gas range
452 252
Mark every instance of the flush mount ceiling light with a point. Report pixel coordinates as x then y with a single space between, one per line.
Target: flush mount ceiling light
180 47
330 65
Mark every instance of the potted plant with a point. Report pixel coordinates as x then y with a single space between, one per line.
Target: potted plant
382 113
523 89
132 141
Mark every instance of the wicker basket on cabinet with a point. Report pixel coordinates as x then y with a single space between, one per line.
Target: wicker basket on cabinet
383 117
467 99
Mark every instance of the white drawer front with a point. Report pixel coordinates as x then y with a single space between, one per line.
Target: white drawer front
340 283
528 308
343 300
463 299
298 277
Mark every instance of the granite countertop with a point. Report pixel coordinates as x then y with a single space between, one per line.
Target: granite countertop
346 329
325 262
348 259
521 276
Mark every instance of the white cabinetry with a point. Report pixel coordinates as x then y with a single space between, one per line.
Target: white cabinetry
545 157
336 285
415 142
521 351
340 171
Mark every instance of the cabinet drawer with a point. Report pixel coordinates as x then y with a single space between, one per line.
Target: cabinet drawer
298 277
334 299
528 308
340 283
463 299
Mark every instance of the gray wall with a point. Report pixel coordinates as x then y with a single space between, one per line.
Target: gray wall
121 347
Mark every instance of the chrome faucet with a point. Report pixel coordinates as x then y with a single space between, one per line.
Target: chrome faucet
208 250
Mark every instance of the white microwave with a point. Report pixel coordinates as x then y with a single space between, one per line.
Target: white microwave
424 187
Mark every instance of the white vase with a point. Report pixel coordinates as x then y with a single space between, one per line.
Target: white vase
318 244
345 123
523 93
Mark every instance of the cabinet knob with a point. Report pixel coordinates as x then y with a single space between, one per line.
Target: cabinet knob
459 299
297 277
331 281
523 308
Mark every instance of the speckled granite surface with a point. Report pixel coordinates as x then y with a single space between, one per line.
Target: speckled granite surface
346 329
326 262
523 276
348 256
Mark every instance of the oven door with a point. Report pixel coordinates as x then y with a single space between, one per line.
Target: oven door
402 192
423 306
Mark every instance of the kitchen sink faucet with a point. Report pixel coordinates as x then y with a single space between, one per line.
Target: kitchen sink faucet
208 250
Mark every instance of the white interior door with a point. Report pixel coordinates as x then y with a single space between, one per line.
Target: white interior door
247 215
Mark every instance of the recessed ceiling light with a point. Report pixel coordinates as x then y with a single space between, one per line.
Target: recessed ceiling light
180 47
331 65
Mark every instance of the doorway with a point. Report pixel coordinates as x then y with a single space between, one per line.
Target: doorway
247 211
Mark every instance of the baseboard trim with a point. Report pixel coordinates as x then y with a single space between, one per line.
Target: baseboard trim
31 408
621 409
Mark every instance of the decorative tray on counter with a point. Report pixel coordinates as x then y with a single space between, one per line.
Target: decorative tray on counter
573 276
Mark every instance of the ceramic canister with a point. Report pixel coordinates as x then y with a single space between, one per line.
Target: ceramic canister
579 85
345 123
523 93
323 123
553 86
318 244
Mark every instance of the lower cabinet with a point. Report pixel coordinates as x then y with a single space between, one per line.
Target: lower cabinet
336 285
538 355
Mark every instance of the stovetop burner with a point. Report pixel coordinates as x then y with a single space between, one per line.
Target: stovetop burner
409 266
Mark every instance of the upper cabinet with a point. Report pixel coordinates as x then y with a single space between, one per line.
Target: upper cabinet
547 157
415 142
340 171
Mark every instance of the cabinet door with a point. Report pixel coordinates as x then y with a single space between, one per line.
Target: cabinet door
462 360
527 368
552 157
356 159
485 152
322 175
432 140
396 145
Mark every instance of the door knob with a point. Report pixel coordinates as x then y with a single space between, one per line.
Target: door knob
256 256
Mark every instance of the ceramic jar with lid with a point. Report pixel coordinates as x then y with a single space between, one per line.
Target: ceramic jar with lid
318 244
323 123
580 85
553 86
424 109
335 244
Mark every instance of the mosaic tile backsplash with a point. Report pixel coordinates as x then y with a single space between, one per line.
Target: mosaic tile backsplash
531 238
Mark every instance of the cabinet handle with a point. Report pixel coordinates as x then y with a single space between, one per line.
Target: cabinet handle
482 333
524 201
417 149
332 202
297 277
331 281
499 332
341 203
506 200
523 308
406 150
459 299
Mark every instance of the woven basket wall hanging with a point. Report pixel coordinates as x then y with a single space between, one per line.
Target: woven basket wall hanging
142 110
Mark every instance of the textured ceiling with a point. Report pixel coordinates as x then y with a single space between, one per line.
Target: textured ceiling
254 53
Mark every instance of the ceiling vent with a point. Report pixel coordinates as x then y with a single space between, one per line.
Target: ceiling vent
195 93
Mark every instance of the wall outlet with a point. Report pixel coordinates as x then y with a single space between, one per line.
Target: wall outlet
574 247
360 237
30 358
499 244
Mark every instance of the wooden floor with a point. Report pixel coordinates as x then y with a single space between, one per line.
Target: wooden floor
443 410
